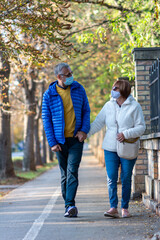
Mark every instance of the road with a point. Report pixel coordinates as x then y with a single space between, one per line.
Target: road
34 211
17 154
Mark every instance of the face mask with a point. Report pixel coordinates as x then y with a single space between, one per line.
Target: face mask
115 94
69 81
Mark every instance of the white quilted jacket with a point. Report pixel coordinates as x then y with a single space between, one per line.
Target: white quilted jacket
129 117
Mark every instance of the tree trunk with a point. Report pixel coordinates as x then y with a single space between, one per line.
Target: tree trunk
2 158
44 143
37 143
7 145
44 153
50 153
6 164
28 160
29 87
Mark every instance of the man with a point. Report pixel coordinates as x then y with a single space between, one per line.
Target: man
66 120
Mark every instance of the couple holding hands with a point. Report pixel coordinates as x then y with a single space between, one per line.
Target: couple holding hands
66 121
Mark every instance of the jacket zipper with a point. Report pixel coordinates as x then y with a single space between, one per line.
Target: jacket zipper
73 109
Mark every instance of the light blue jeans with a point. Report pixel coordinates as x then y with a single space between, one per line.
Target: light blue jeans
113 162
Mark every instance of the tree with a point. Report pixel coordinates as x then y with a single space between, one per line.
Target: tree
109 33
93 68
29 88
136 23
39 96
44 21
6 165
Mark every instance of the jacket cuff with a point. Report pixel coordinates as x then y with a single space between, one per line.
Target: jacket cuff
52 143
125 135
84 130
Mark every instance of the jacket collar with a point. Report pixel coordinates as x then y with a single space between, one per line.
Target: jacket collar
52 87
128 100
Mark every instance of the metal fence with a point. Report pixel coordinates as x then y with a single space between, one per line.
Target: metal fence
154 85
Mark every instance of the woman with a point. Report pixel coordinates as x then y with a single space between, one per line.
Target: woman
125 111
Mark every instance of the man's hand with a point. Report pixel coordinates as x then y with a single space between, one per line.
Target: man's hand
81 136
120 137
56 148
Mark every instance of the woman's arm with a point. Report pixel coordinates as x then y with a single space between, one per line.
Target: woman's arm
139 125
99 122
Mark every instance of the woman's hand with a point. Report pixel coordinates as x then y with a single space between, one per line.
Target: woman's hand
81 136
120 137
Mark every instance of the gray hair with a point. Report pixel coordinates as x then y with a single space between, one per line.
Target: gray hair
58 68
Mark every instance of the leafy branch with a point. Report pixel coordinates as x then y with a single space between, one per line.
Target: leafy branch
101 2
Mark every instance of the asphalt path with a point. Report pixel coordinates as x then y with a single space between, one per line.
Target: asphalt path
34 211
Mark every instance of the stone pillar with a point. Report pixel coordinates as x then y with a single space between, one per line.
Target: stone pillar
143 57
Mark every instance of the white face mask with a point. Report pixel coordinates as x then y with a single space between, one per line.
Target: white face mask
115 94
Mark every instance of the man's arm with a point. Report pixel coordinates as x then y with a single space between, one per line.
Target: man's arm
85 114
47 121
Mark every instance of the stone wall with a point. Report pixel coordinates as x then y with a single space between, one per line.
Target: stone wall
146 168
96 145
151 195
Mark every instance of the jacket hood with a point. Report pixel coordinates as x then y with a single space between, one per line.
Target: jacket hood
127 101
52 87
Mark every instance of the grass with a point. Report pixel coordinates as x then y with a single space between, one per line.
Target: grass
33 174
14 159
21 176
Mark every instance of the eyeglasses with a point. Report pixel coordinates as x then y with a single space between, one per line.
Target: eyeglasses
115 88
68 75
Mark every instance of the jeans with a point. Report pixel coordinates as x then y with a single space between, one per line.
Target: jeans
113 162
69 160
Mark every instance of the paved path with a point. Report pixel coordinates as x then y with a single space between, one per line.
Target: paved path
35 210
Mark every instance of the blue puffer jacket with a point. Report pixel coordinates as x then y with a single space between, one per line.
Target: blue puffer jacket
53 112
